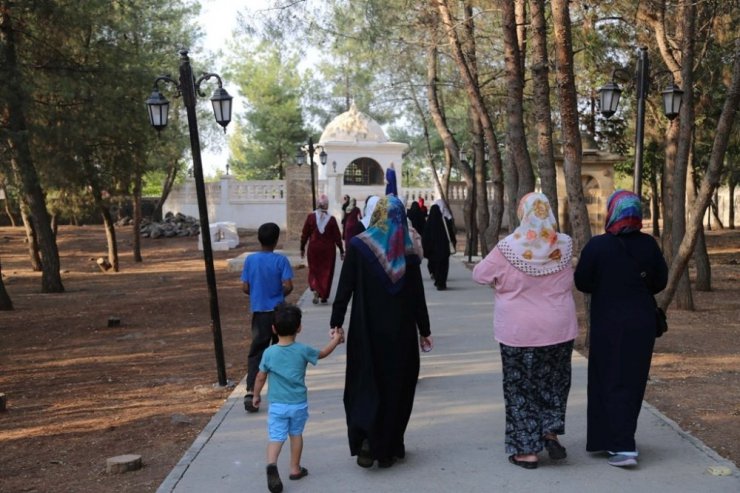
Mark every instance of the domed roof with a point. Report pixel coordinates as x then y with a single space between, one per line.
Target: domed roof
353 126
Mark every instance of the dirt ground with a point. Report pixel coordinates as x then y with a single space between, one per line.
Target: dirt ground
79 392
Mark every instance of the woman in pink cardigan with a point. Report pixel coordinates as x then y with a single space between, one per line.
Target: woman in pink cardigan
534 320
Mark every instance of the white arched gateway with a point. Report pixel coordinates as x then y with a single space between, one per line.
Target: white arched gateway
358 155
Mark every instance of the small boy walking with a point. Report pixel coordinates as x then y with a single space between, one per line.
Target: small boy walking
285 363
267 279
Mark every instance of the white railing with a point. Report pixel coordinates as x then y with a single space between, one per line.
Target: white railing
245 203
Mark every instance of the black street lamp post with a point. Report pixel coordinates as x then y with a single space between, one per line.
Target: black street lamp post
609 101
188 87
473 227
308 151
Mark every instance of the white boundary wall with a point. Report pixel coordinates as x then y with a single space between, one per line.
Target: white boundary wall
246 204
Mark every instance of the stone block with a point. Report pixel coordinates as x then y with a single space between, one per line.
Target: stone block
224 236
123 463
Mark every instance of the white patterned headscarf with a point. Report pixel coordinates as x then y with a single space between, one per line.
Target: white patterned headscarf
535 247
322 213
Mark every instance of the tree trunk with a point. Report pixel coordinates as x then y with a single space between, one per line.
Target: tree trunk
477 103
438 118
427 140
14 121
110 236
577 213
516 140
709 183
137 216
169 182
108 223
715 210
543 111
6 303
703 280
671 140
520 19
54 225
476 215
731 204
482 213
683 298
33 244
8 212
655 202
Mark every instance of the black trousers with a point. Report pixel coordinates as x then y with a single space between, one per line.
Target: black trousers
262 337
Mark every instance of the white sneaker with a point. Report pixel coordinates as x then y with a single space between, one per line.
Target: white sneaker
621 460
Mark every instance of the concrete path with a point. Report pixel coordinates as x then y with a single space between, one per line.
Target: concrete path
454 442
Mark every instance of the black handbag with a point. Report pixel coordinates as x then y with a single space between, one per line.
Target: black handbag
661 320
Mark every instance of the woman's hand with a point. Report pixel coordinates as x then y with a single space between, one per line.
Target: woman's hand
426 344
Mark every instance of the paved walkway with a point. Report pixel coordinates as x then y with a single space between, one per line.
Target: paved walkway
454 441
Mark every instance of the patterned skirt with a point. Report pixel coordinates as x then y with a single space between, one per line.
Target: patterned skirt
536 386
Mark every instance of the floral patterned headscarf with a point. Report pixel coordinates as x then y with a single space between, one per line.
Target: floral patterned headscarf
535 247
386 244
623 213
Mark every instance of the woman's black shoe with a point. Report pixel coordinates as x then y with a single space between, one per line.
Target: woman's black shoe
522 463
386 463
556 451
364 458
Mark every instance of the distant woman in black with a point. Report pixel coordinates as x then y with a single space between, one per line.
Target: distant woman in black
417 218
438 239
622 269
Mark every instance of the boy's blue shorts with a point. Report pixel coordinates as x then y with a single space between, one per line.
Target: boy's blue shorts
286 419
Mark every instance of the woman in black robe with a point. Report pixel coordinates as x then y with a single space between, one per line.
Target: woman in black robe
388 323
622 270
416 216
438 240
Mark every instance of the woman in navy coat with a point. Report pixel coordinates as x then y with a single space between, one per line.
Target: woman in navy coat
622 270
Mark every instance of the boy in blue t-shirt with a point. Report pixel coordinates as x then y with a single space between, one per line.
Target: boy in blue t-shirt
285 363
267 278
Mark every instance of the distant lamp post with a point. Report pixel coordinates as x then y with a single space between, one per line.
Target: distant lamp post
306 153
472 226
609 102
188 87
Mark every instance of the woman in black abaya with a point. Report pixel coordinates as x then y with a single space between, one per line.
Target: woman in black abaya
388 323
438 240
622 269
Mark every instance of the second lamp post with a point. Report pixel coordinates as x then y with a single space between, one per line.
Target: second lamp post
609 101
306 153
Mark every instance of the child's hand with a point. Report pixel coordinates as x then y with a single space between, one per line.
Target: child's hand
256 399
337 333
